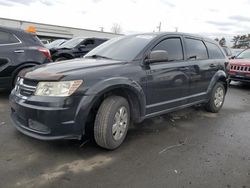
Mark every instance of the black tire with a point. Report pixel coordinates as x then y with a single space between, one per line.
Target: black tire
214 105
105 119
60 59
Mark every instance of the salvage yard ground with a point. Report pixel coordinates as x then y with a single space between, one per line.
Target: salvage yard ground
190 148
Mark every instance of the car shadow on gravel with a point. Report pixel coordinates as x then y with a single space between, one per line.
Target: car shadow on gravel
4 94
240 85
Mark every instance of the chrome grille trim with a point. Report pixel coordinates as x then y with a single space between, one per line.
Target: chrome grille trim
240 68
24 90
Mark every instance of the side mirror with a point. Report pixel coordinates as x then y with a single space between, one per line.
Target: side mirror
157 56
233 57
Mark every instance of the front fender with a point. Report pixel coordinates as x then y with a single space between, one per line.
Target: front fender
94 92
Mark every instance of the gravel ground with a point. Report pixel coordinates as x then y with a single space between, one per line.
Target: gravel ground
188 148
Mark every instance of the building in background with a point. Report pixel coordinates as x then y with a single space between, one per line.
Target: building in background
52 32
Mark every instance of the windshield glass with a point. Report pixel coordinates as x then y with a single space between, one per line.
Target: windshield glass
72 43
244 55
124 48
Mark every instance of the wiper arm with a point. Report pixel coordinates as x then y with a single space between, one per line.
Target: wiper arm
99 56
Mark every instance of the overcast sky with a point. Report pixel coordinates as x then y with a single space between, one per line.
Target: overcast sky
210 17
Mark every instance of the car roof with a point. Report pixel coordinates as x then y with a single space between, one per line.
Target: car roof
13 30
161 34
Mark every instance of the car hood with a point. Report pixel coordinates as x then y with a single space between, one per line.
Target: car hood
58 70
242 62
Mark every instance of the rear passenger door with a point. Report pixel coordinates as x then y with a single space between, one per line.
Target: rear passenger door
201 68
167 81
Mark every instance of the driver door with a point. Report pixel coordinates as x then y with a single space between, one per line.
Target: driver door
167 81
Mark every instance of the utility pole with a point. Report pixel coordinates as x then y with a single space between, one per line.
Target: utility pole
176 29
102 29
159 27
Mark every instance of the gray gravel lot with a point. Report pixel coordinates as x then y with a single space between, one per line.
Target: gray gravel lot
189 148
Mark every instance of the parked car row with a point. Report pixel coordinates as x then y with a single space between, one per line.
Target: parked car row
20 50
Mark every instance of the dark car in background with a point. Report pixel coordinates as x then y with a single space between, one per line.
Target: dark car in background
239 67
55 44
19 50
126 79
75 48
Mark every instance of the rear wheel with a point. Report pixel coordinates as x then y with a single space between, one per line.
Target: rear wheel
112 122
216 99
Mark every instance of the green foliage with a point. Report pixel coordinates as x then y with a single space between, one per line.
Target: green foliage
241 41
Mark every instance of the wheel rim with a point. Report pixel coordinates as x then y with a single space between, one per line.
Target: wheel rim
120 123
218 97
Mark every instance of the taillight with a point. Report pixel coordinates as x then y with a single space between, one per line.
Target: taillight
45 52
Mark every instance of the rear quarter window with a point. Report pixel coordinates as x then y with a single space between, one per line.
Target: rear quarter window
214 51
7 38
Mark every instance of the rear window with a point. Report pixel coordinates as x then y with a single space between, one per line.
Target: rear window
195 49
7 38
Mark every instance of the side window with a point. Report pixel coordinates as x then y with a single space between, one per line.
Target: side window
195 49
173 47
7 38
214 51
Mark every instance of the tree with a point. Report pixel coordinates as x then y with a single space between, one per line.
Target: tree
216 39
116 28
235 40
222 41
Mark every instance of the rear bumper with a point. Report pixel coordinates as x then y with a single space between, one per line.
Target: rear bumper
48 122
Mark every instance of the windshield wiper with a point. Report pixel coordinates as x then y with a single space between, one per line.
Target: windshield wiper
99 56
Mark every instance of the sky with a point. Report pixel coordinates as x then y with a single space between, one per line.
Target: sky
213 18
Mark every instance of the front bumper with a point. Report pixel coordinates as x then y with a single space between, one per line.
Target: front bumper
239 77
51 120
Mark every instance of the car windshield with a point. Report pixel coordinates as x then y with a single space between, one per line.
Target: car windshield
244 55
72 43
55 43
124 48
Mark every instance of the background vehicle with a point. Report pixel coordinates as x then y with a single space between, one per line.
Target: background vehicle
19 50
75 48
125 79
239 67
236 51
44 41
55 44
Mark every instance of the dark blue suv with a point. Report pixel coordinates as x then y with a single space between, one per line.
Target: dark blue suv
19 50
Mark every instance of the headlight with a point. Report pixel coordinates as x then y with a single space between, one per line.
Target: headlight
57 89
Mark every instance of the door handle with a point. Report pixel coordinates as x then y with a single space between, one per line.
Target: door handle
19 51
212 65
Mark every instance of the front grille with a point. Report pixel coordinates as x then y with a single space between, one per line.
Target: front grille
25 87
240 68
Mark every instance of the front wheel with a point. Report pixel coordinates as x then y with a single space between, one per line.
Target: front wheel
112 122
216 99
